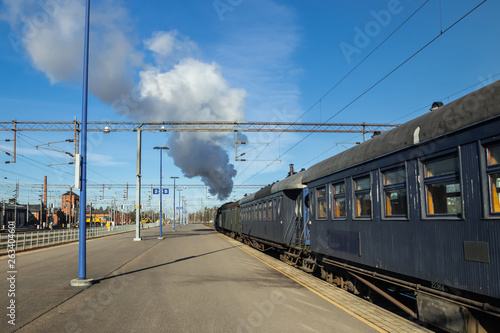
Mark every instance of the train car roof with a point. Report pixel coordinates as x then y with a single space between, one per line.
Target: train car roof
247 198
224 206
470 109
232 205
289 183
263 192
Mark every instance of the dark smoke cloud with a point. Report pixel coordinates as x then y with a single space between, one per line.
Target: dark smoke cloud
198 158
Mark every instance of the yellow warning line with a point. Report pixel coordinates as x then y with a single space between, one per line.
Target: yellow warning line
367 322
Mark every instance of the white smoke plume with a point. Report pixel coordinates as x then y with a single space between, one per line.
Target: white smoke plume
176 87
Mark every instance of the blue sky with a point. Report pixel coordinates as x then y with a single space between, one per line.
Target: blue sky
258 60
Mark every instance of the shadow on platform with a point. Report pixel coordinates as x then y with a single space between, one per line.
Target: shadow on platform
160 265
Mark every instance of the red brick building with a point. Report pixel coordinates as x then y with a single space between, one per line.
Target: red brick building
70 206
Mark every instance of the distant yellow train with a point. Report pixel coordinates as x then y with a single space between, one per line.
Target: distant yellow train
96 219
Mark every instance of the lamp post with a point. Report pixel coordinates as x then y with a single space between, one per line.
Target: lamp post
183 217
161 190
180 211
82 279
174 178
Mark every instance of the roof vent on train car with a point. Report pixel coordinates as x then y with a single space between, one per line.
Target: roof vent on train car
376 133
436 105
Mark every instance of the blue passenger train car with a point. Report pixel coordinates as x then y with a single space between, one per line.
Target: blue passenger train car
412 214
274 214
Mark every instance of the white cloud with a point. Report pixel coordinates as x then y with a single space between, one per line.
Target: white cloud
256 53
52 34
169 47
191 91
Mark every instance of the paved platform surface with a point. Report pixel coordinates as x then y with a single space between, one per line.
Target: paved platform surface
194 280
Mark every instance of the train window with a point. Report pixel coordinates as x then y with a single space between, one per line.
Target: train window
493 170
338 193
443 186
494 155
363 197
275 208
441 167
260 211
322 208
271 210
395 192
310 200
495 192
279 208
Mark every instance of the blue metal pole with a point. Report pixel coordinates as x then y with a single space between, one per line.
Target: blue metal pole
180 209
161 190
174 206
82 268
174 203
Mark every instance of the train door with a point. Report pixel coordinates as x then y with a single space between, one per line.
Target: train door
305 222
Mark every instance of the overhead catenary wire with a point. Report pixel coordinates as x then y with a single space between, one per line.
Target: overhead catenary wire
67 172
376 83
342 79
406 115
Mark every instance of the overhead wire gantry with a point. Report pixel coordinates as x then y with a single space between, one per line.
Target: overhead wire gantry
187 126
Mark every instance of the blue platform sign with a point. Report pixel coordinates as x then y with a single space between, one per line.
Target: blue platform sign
165 191
156 191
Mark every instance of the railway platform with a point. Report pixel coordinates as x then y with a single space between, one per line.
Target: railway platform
193 280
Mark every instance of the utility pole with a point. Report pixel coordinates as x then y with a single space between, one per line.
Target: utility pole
138 189
70 204
41 212
15 201
3 214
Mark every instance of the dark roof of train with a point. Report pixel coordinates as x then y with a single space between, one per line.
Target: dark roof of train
263 192
247 198
224 206
232 205
289 183
475 107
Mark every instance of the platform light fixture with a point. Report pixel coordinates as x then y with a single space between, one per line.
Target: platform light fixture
174 178
161 189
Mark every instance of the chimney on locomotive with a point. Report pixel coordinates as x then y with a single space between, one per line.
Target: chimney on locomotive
291 173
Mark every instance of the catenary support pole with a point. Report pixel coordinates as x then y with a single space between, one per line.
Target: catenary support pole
138 190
